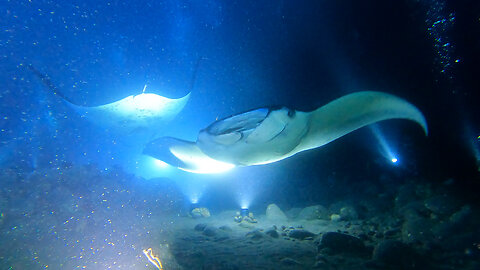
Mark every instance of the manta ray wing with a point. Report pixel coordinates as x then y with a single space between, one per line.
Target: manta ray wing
351 112
184 155
145 110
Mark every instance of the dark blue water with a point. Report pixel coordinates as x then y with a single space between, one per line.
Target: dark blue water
73 193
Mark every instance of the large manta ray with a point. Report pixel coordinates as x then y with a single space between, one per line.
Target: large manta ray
265 135
145 111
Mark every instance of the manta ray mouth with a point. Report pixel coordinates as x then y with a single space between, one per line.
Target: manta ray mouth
268 135
238 123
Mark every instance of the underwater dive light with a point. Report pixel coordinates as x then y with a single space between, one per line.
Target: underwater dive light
386 150
194 205
194 201
244 212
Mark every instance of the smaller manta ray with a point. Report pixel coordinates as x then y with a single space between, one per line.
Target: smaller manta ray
267 135
135 112
145 111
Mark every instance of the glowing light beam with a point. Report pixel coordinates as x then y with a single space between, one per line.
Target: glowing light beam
202 163
473 143
161 164
386 149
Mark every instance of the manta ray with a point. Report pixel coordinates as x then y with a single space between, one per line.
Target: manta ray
145 111
133 113
268 135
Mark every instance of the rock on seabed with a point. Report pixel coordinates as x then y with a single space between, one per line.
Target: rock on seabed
274 213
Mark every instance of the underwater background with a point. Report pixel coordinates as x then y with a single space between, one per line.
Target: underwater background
77 195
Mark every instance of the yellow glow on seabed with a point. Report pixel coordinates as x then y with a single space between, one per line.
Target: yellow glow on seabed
152 258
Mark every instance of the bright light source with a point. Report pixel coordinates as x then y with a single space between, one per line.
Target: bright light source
201 162
244 212
161 164
194 192
245 194
244 201
148 103
386 150
194 199
145 106
246 190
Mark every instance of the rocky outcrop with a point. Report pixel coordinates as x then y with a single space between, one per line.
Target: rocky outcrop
274 213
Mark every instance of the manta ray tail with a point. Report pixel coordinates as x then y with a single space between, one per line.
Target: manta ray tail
45 79
194 75
354 111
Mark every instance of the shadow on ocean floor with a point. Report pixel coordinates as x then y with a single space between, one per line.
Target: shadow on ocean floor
81 217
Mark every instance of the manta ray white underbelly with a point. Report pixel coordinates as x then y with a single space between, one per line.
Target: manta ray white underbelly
146 111
266 135
143 111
